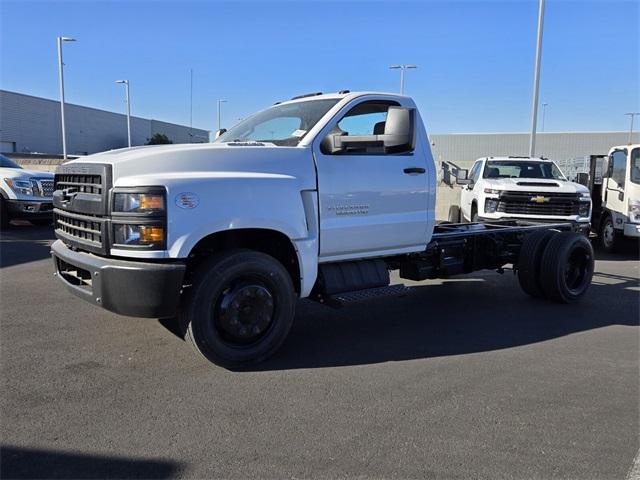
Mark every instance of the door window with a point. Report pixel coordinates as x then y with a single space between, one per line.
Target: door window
619 167
475 172
367 118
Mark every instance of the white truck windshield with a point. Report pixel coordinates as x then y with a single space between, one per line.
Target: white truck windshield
282 125
522 169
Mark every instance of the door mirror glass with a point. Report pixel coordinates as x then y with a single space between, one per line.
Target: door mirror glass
220 132
462 176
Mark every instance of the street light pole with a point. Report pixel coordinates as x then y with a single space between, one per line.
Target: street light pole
60 40
536 80
402 68
220 102
544 111
128 102
632 115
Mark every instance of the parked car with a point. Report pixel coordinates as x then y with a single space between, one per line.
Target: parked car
24 194
523 188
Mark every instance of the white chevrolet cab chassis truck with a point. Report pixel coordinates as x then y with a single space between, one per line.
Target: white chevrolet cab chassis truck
317 197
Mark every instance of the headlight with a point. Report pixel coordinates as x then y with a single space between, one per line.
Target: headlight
584 209
490 205
151 203
150 236
22 187
634 211
492 191
138 217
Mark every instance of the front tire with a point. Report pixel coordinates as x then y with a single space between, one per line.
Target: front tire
609 238
567 267
240 308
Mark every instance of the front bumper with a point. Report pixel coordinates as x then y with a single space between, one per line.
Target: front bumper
136 289
26 209
632 230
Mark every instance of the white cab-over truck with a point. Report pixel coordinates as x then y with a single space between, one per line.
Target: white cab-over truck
614 182
317 197
532 189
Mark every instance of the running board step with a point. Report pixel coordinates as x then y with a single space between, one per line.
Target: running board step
341 299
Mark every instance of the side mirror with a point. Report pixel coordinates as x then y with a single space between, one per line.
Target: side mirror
462 176
583 179
397 136
220 132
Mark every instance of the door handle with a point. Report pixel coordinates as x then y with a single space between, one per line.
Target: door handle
414 170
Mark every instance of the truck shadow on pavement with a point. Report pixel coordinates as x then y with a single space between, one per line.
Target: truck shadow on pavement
17 462
25 243
455 318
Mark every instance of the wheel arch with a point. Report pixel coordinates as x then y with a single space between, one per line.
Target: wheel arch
271 242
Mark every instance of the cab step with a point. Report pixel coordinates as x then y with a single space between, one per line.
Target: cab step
341 299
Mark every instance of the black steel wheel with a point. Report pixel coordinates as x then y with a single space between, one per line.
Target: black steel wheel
567 267
530 259
239 309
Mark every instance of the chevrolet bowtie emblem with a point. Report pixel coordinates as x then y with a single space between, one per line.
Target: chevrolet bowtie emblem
539 199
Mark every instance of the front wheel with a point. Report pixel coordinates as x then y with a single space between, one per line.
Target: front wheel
240 308
609 238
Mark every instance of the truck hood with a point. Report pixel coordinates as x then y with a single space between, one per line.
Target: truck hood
535 185
149 165
21 172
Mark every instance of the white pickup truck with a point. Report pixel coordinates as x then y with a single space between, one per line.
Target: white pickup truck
318 197
523 188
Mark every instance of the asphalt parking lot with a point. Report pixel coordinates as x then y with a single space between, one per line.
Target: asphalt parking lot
466 378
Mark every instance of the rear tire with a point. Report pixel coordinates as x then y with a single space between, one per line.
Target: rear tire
567 267
240 308
608 238
530 259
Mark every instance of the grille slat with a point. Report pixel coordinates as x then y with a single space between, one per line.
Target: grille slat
83 228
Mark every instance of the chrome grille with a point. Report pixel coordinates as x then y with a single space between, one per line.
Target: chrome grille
42 187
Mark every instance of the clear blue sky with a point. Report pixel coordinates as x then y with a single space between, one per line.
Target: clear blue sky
475 58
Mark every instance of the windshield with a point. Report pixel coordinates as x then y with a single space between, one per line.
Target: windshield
282 125
522 169
635 165
6 162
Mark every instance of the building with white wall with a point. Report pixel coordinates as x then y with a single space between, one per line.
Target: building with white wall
31 124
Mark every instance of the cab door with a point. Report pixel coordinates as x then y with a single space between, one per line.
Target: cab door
372 202
614 185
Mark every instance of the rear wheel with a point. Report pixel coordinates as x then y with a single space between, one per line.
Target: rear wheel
530 259
609 238
240 308
567 267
